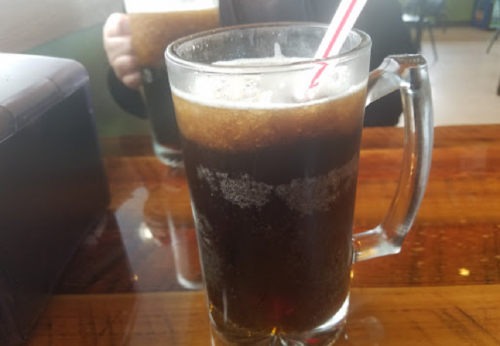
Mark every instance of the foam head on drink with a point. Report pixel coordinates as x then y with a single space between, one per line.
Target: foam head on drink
272 179
155 24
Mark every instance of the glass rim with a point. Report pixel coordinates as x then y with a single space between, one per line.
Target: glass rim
172 56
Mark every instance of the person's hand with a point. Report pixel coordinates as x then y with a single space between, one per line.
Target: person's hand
118 46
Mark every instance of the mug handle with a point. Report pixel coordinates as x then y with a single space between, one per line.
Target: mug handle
407 73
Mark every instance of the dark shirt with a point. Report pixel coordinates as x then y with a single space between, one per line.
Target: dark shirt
381 19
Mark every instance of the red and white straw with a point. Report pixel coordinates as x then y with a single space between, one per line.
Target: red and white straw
342 23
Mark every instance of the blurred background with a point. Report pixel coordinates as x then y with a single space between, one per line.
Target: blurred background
455 37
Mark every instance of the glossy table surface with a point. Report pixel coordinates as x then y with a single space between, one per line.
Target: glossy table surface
136 278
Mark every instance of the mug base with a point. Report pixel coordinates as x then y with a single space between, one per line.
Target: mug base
324 335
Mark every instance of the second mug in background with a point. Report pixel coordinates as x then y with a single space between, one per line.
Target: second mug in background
154 25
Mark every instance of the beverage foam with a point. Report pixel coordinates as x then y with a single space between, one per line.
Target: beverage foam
244 191
269 91
247 126
154 6
153 31
304 195
236 111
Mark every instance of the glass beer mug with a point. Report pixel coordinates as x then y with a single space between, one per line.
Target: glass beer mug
272 170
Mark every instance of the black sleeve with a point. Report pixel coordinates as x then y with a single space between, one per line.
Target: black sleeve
226 13
129 100
382 20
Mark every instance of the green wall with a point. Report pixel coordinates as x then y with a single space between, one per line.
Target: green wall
457 10
86 47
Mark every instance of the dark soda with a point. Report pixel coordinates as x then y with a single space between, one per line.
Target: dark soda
273 194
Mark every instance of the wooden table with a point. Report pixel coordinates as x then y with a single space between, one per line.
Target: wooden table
135 279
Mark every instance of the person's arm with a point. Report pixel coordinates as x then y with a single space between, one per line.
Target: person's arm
124 78
118 46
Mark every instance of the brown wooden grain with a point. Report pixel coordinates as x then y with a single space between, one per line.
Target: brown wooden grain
443 289
461 315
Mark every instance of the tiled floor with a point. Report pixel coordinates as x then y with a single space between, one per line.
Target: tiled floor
464 79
